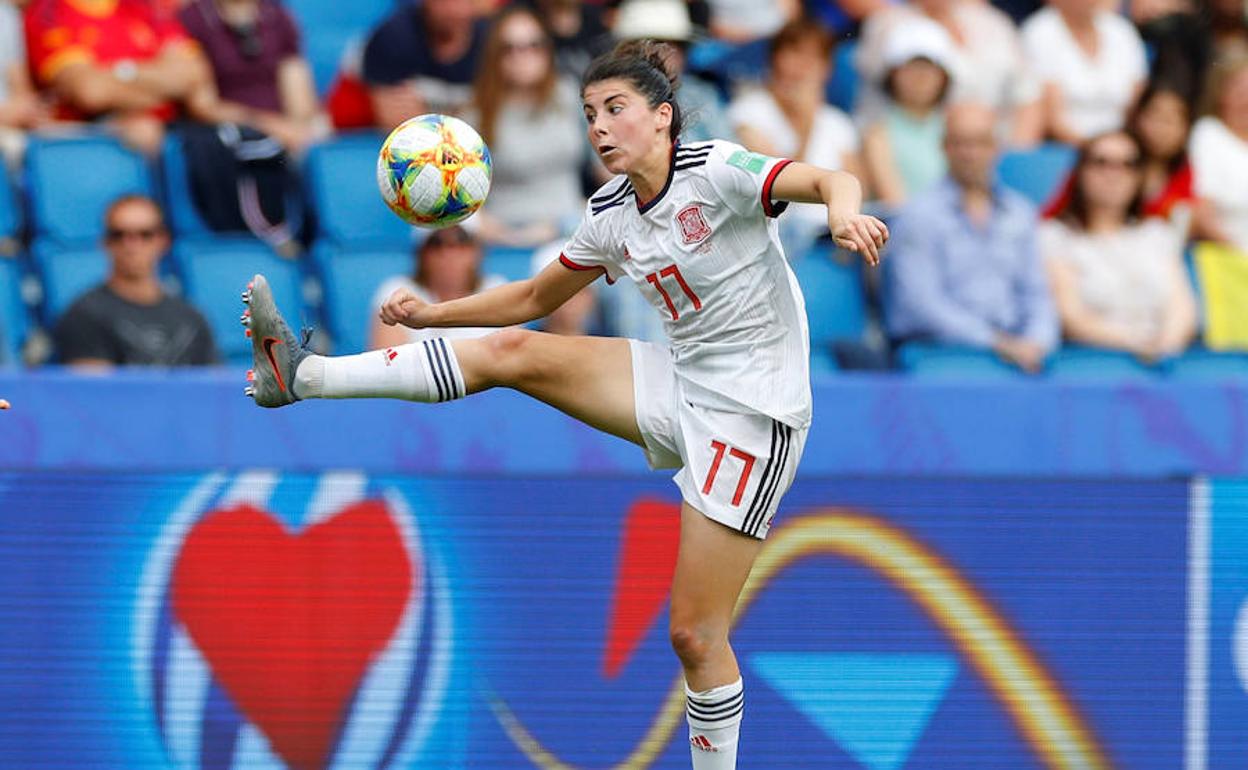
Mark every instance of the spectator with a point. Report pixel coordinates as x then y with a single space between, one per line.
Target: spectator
987 64
20 107
791 118
1178 36
577 316
422 59
1219 155
1117 276
260 77
130 62
1228 26
1161 122
1092 63
129 319
670 22
448 266
902 150
746 21
531 119
843 17
964 266
579 32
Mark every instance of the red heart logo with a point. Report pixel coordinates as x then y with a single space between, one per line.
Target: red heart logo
289 623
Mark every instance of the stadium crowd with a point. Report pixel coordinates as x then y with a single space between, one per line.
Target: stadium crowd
1064 179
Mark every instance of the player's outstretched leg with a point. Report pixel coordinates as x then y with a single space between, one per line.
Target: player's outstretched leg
276 352
711 568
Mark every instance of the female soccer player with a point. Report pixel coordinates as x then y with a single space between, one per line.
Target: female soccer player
729 402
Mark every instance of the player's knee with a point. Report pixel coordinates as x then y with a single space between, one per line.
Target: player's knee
512 356
693 642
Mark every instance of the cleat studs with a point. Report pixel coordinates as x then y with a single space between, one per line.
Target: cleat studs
249 392
251 375
247 332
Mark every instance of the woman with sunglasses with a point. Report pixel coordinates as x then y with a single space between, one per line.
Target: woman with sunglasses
1117 276
530 117
728 404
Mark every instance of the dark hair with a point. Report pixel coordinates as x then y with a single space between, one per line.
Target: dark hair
452 236
800 31
1074 208
1154 89
890 81
646 65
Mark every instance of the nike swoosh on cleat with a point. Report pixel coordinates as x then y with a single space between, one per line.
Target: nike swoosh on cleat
269 342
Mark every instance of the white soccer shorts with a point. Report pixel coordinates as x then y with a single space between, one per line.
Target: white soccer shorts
734 466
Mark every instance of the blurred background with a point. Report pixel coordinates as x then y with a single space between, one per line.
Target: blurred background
1020 534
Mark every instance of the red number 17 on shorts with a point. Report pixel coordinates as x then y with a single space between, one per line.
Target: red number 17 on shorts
747 465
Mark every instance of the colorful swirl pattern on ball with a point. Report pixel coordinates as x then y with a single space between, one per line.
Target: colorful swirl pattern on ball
457 149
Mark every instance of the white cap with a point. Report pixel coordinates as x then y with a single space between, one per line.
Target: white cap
918 38
657 19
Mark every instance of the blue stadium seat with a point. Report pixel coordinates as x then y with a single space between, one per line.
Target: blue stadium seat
842 89
66 272
13 322
342 179
930 360
1091 363
514 264
1210 365
329 26
351 279
1037 173
835 304
184 218
215 273
72 181
10 218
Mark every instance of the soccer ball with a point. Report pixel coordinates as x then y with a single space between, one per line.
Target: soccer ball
434 170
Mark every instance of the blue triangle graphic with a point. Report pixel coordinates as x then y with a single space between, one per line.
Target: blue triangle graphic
876 706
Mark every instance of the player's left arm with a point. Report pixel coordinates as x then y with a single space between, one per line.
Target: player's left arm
842 194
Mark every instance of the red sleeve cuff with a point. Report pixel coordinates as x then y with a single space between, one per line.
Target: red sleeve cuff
773 209
568 263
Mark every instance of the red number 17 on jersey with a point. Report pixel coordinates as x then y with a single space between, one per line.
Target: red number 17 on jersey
671 271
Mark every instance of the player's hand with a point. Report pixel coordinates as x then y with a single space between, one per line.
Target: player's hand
404 307
860 233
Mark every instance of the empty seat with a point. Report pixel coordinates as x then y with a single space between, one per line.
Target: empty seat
932 360
72 181
13 322
215 272
1037 173
184 218
10 218
835 305
342 181
351 280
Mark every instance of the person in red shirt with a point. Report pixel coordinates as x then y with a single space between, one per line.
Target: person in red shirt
127 60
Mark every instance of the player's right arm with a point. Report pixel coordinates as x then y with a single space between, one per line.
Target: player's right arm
513 303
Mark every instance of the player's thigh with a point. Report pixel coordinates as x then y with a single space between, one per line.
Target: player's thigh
712 565
589 378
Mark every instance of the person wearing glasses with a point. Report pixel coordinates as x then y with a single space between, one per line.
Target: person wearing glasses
130 319
1118 275
965 267
530 116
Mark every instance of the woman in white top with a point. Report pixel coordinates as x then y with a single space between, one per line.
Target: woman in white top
987 64
1118 279
530 118
1092 64
1218 151
790 117
728 403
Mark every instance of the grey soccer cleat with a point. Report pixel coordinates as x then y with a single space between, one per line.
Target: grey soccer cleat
275 350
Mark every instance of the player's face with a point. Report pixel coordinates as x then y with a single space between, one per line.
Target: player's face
623 129
135 239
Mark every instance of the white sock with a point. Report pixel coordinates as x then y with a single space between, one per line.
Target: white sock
422 371
714 724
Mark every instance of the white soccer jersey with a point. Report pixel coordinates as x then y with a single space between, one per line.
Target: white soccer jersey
705 252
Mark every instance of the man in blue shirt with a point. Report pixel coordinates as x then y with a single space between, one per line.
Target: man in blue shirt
964 267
